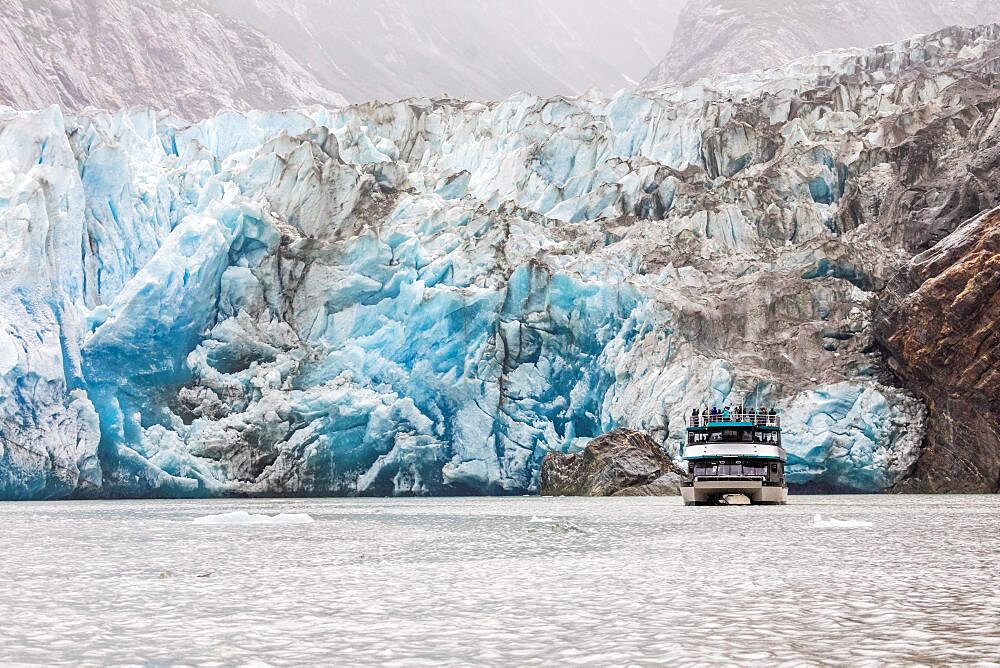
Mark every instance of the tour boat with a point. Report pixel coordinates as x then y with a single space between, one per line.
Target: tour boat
734 457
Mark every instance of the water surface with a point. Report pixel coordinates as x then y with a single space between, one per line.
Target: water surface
458 581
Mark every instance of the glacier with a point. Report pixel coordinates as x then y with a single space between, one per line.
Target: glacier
425 297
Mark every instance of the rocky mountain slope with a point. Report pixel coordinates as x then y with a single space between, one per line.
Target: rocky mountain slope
939 321
426 297
736 36
183 56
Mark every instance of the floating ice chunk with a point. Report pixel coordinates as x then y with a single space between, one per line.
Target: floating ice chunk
535 519
831 523
241 517
569 527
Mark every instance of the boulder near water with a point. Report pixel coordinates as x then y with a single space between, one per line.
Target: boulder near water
620 463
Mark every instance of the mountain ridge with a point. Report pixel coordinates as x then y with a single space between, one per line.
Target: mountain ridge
717 37
119 54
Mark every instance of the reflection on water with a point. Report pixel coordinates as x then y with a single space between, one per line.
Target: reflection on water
501 581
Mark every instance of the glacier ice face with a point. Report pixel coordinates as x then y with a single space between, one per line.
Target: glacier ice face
839 435
425 297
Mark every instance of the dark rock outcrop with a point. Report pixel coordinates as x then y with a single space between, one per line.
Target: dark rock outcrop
619 463
938 323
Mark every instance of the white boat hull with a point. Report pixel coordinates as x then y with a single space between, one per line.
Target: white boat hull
710 492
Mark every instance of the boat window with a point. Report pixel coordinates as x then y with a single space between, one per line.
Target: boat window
731 469
716 436
747 436
705 468
774 467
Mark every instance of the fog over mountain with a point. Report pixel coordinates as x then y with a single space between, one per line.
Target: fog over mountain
196 57
735 36
476 49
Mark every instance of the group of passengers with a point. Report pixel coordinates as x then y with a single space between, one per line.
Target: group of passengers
735 414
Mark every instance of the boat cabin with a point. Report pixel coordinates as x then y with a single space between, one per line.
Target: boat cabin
768 471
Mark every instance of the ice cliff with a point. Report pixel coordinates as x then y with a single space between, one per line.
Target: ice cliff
426 297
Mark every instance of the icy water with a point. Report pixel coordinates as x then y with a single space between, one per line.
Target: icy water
476 581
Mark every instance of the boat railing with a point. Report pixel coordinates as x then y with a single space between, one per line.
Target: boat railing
756 419
729 478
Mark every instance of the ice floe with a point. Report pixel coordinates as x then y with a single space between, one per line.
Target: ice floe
241 517
832 523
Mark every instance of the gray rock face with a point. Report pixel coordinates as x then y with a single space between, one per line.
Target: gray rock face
939 323
619 463
186 57
733 36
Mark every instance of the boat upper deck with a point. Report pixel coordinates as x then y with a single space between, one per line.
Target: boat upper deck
747 419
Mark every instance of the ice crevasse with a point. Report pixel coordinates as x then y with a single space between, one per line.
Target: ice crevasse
417 298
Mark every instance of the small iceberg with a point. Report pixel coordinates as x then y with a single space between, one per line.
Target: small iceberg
831 523
569 527
241 517
535 519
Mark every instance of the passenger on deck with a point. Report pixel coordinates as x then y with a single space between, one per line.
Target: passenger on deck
726 415
694 416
